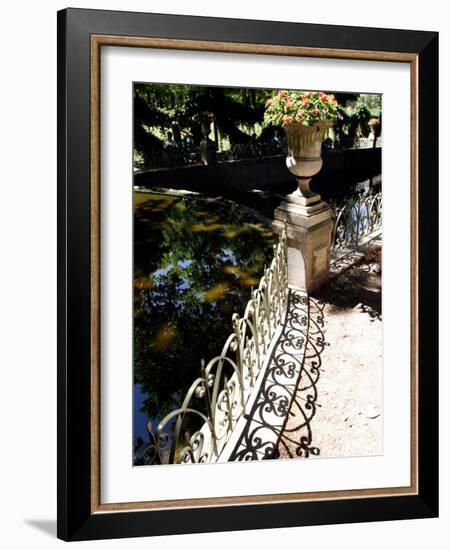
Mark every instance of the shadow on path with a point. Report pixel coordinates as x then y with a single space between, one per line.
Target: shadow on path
360 285
288 387
296 439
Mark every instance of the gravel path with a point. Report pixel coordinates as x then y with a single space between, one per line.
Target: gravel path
347 419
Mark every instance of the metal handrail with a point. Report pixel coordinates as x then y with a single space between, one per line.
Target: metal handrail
358 218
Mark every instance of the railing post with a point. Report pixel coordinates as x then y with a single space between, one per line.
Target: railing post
308 240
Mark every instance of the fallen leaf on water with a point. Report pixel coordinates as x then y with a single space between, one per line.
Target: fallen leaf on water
248 280
142 284
204 228
216 292
163 338
232 233
230 269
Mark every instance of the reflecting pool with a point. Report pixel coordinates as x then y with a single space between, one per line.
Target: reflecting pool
195 262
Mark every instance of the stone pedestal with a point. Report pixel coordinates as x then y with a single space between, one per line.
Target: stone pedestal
309 229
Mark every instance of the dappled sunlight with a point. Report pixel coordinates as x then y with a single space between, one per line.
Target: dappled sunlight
357 288
248 280
244 278
152 202
217 292
206 228
230 233
231 270
163 338
144 283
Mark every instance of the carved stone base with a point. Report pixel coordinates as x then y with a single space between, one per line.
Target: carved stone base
309 241
305 198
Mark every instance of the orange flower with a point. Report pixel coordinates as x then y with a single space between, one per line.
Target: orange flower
287 119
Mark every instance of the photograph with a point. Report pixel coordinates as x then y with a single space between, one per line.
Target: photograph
257 274
247 273
224 275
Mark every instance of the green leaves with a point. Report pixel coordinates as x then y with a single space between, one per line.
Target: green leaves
294 107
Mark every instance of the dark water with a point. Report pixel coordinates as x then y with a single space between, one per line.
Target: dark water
195 261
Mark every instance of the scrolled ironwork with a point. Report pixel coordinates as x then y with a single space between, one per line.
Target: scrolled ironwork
279 422
356 219
217 399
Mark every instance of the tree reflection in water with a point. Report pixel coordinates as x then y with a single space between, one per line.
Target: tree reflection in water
195 261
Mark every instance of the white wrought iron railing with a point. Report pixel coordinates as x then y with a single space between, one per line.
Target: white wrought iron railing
355 220
217 399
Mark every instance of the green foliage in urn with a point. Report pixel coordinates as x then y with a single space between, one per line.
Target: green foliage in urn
296 107
356 121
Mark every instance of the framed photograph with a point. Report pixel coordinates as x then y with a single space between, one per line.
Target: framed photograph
247 254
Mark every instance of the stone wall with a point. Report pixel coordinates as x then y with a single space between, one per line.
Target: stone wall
267 174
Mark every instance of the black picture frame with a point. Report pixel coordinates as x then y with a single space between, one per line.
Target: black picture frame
76 521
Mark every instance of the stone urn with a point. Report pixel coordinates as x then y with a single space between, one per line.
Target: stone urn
304 160
306 217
